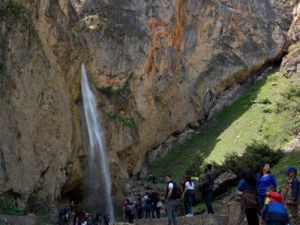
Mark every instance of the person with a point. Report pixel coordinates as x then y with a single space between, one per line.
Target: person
182 188
249 203
152 204
291 194
170 198
154 179
158 205
106 219
127 210
147 205
150 179
155 206
264 180
274 211
97 220
139 207
189 195
208 187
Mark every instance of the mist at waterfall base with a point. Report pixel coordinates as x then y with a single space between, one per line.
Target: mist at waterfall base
97 194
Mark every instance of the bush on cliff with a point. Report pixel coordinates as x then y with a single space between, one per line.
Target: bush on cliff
254 156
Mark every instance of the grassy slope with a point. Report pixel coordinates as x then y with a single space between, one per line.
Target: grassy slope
291 159
251 117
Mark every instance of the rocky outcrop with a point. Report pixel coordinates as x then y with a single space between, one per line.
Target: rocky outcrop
291 62
156 67
224 181
39 117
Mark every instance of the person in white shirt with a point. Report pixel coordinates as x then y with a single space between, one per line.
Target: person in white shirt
189 196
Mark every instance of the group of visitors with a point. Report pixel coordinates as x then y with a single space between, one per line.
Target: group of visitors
261 201
148 206
187 191
260 197
70 215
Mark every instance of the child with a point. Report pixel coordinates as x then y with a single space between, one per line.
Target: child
274 211
291 193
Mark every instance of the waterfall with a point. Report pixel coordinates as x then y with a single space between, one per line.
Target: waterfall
98 180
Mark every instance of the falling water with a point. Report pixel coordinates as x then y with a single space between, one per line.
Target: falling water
98 182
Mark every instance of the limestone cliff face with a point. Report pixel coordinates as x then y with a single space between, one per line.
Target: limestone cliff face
156 67
291 62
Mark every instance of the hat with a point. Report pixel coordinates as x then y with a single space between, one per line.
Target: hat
291 169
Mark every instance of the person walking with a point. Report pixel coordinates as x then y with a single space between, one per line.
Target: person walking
249 203
170 198
264 180
274 211
291 194
208 187
189 196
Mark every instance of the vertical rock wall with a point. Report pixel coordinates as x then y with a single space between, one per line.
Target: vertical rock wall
156 67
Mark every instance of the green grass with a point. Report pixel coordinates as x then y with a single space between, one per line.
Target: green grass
7 207
255 116
199 208
290 159
43 219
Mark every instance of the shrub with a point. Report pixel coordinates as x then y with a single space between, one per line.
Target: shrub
265 101
195 164
255 155
292 92
8 207
127 120
267 110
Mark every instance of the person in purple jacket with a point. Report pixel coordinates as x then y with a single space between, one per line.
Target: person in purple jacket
264 180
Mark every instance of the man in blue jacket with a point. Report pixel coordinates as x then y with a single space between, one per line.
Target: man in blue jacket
291 194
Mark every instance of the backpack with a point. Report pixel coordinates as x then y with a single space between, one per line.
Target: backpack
176 193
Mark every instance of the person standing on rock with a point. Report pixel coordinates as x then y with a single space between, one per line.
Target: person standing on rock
249 202
189 196
291 194
264 180
208 187
170 198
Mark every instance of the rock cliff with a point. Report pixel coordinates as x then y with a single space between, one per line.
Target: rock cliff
157 67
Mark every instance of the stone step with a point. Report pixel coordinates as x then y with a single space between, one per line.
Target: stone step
195 220
18 220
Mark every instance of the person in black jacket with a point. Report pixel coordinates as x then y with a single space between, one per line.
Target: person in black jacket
170 198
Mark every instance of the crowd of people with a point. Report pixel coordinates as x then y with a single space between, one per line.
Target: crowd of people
71 215
264 203
147 206
151 203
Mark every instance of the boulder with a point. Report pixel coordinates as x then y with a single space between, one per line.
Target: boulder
224 181
18 220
